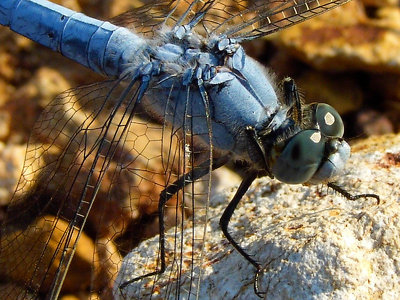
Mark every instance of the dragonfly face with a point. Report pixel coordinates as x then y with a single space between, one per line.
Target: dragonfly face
315 154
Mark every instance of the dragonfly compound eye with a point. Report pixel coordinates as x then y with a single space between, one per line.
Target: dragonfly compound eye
329 121
300 158
337 152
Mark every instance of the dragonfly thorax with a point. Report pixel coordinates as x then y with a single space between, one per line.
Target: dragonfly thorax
300 143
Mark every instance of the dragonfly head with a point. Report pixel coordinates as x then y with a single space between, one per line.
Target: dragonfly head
314 154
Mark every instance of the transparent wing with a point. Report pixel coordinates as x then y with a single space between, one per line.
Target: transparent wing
149 18
183 245
71 148
154 15
95 168
261 18
240 19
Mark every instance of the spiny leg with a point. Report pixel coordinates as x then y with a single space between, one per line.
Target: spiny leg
189 177
348 196
226 217
292 99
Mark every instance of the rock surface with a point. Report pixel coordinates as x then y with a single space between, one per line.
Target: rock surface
347 39
314 244
11 160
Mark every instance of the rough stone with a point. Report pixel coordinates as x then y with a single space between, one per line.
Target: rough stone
23 249
378 3
11 161
340 91
314 243
372 122
14 291
345 39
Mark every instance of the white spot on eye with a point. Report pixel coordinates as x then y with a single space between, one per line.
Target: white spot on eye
316 137
329 119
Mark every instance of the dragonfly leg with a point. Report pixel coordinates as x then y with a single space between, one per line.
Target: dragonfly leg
224 222
251 131
348 196
189 177
292 99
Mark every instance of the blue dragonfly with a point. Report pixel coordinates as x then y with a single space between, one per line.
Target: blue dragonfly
175 68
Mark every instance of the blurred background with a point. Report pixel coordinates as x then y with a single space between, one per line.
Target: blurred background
349 58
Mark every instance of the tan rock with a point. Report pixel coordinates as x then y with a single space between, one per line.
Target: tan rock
314 243
70 297
27 254
14 292
109 263
374 123
381 2
5 91
6 66
71 4
344 39
338 90
11 161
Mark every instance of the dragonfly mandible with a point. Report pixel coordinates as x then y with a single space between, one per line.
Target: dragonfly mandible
176 68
